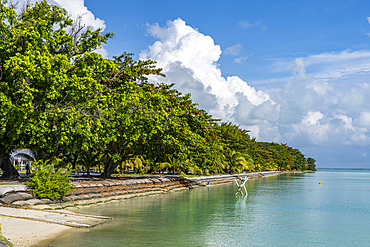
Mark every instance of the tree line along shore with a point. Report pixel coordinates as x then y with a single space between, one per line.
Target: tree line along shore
74 108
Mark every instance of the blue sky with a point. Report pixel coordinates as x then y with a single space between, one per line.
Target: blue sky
293 72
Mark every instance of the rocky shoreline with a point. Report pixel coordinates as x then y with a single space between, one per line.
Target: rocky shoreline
103 191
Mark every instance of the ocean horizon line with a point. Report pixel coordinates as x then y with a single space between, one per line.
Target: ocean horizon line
341 168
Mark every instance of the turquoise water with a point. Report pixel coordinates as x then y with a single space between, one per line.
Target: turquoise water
283 210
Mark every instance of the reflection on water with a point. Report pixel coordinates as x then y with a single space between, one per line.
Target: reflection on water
284 210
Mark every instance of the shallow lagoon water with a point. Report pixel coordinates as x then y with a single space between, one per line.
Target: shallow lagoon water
283 210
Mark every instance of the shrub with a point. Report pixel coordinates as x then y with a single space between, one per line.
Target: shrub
46 183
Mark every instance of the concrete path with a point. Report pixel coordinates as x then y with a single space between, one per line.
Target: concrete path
55 217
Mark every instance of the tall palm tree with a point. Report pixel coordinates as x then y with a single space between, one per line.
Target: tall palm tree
191 168
136 163
89 159
172 163
236 162
71 159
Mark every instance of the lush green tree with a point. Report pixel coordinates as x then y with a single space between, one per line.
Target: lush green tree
159 123
234 137
50 96
46 182
60 99
236 162
155 121
271 156
136 164
89 159
134 110
311 164
172 163
188 134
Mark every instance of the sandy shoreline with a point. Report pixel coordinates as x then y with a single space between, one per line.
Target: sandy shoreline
25 232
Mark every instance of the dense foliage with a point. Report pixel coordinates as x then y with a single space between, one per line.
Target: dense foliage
45 182
50 92
61 99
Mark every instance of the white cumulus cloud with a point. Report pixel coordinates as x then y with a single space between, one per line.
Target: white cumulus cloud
304 109
189 59
77 8
363 121
318 102
330 112
312 118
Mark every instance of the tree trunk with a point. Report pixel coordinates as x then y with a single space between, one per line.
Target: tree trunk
110 167
88 170
9 172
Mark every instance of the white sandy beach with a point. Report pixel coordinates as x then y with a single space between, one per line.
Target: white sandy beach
22 232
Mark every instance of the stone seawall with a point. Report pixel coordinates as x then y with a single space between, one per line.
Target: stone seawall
102 191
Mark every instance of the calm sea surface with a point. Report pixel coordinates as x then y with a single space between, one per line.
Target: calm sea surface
283 210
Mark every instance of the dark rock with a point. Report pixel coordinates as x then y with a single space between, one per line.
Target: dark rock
77 192
9 199
95 196
19 188
55 206
121 192
85 197
23 204
25 196
74 198
68 204
88 185
108 194
5 190
35 201
46 201
98 191
42 207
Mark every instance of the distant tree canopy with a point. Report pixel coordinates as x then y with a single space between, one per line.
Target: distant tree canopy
311 164
265 156
61 99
